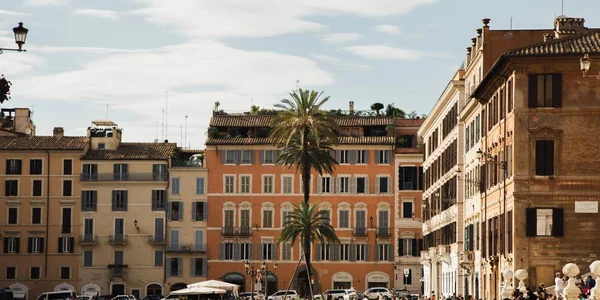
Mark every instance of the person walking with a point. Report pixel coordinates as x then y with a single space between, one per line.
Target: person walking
558 285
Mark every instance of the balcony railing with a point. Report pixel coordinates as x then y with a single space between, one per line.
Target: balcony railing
87 239
360 231
187 248
186 163
228 231
157 239
383 232
124 177
245 231
117 239
117 271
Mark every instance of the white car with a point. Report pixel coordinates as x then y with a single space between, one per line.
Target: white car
279 295
373 293
342 294
124 297
248 296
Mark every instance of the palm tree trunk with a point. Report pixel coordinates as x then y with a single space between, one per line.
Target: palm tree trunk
307 245
305 167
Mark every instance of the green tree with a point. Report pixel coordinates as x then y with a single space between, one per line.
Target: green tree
377 107
395 112
307 224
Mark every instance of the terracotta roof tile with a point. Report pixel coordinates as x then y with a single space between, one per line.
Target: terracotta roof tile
579 44
360 140
134 151
43 143
265 121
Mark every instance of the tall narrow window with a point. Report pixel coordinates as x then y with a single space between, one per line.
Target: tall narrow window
13 166
200 186
544 157
229 184
267 219
245 184
287 184
35 166
68 167
268 181
175 186
67 188
66 220
13 216
36 215
545 90
36 188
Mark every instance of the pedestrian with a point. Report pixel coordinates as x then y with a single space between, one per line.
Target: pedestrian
558 285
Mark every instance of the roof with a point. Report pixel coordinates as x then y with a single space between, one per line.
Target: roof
191 151
43 143
347 140
577 45
266 120
134 151
409 122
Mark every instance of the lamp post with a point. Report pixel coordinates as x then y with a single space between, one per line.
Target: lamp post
585 63
20 38
257 273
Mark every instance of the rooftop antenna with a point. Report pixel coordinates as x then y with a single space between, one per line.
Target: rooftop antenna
510 23
185 135
562 7
156 130
162 126
181 135
167 115
106 111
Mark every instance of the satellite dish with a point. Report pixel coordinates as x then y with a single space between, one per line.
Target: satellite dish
28 131
156 140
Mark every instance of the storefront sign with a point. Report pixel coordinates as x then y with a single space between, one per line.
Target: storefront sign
586 207
19 290
377 278
64 287
342 277
90 290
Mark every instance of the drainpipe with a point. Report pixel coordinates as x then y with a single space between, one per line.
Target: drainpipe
47 213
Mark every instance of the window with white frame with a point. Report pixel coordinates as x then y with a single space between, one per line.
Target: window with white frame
11 245
361 156
227 251
344 219
200 186
407 246
246 251
175 186
344 157
362 184
287 184
383 156
325 185
286 251
245 184
343 184
268 251
407 209
247 156
267 185
325 252
362 252
326 213
269 157
285 216
383 251
229 184
267 218
383 185
345 251
230 156
228 218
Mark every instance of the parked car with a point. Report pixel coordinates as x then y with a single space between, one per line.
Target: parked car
342 294
104 297
152 297
249 295
279 295
6 294
373 293
170 297
57 295
124 297
84 297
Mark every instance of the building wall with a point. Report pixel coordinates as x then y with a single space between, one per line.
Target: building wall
50 261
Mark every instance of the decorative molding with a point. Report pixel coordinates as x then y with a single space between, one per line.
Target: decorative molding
245 205
360 205
229 205
267 205
344 205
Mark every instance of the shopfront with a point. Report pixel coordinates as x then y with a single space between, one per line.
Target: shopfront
63 287
19 290
341 280
90 290
377 279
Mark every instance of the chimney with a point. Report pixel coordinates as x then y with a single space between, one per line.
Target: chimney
351 106
58 132
548 37
567 26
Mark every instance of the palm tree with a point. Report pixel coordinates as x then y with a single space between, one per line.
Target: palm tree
308 224
305 132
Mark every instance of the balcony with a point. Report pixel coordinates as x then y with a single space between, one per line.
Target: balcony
124 176
117 239
117 271
228 231
383 232
87 240
186 248
187 163
245 231
157 240
360 231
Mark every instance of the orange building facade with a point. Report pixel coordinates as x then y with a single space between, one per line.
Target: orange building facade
249 196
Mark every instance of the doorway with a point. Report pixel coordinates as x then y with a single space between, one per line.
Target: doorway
270 281
154 289
302 284
118 289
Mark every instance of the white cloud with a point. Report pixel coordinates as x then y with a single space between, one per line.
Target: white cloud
222 18
341 38
387 29
345 65
46 2
100 13
324 58
382 52
13 13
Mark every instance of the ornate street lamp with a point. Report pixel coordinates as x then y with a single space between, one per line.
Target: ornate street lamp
20 38
585 63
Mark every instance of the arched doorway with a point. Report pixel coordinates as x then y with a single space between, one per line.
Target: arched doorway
235 278
117 289
178 286
154 289
476 286
270 281
377 279
300 282
341 280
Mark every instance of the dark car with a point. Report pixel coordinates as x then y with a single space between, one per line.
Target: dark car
6 294
104 297
152 297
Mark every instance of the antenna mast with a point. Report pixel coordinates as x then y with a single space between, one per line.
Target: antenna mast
106 111
167 115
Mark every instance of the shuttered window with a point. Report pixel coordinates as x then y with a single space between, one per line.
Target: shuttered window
544 157
544 222
545 90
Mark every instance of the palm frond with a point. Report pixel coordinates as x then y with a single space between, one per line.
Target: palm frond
306 220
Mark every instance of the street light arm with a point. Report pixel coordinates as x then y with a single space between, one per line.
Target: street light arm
8 49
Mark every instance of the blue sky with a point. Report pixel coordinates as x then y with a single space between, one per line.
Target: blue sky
83 55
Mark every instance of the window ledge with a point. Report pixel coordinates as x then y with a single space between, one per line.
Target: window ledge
544 177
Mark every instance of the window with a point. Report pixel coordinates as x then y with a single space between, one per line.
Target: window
65 244
88 229
544 158
159 172
229 184
407 178
383 251
407 247
324 251
325 185
228 219
245 184
362 252
175 186
119 200
11 272
268 251
287 184
244 219
13 216
120 172
226 251
36 215
344 157
198 267
407 276
247 156
345 251
285 216
362 185
362 156
65 272
67 188
383 226
35 245
159 200
175 212
267 219
383 185
545 90
509 95
175 267
383 156
88 258
13 166
11 188
36 188
286 251
407 209
11 244
200 186
343 185
66 220
90 172
267 184
230 156
544 222
268 157
344 219
246 251
68 167
158 258
35 166
34 273
199 211
325 213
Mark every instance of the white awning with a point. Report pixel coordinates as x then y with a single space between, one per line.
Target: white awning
63 287
90 290
19 290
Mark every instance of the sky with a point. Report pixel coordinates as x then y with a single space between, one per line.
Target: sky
147 63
